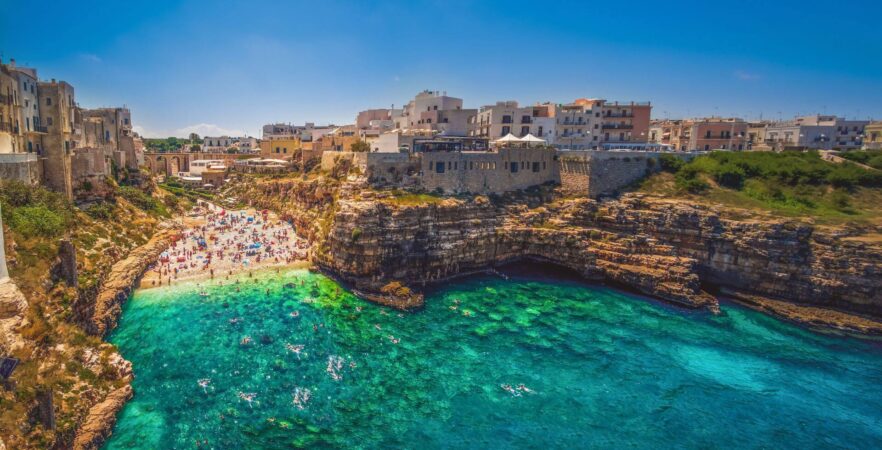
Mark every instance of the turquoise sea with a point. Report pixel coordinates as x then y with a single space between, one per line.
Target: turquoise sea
530 362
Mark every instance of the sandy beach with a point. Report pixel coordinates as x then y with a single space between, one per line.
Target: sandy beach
220 244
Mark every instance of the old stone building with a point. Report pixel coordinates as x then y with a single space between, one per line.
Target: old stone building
58 110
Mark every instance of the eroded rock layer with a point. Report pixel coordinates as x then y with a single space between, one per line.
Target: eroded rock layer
662 248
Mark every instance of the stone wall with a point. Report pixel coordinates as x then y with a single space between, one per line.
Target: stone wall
601 172
24 167
508 169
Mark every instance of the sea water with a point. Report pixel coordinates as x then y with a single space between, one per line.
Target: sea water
489 363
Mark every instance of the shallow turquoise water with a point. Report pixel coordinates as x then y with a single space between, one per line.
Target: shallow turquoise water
606 369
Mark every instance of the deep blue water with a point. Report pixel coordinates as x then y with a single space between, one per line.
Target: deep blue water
603 369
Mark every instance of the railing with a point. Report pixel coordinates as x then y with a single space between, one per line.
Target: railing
623 115
5 99
41 129
6 126
616 126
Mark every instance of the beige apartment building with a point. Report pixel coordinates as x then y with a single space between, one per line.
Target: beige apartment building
712 133
436 111
12 138
496 121
590 124
59 111
873 136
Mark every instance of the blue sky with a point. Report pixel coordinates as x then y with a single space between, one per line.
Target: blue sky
215 66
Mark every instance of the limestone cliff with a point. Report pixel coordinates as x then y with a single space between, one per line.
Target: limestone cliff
100 313
97 426
663 248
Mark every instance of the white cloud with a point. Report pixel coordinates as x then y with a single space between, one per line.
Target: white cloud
746 76
206 129
90 57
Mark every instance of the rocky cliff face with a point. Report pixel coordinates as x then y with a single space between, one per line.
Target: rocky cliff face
99 312
662 248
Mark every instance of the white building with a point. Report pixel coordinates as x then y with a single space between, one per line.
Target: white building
817 132
218 144
496 121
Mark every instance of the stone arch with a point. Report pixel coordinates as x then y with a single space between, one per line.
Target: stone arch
174 166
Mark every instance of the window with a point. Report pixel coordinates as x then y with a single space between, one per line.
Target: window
540 130
439 167
535 167
126 121
514 167
708 134
48 101
525 131
525 119
49 121
506 119
505 131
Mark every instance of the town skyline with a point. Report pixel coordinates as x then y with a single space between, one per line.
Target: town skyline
187 67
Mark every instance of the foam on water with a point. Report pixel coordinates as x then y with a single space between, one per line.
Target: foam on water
600 368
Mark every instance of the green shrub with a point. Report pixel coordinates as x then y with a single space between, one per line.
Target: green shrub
142 200
100 211
670 163
32 221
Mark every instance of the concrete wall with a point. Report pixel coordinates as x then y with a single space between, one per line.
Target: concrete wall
24 167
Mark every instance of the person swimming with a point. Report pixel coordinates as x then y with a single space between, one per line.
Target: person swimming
203 383
296 349
510 390
524 388
245 340
295 314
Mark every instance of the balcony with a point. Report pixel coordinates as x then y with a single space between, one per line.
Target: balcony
621 115
5 99
41 129
617 126
6 127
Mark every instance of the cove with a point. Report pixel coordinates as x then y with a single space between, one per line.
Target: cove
599 368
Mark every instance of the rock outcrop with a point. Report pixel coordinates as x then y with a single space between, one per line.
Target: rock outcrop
667 249
100 315
13 306
98 425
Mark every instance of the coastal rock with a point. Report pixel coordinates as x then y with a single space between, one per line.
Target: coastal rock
667 249
102 314
13 306
98 425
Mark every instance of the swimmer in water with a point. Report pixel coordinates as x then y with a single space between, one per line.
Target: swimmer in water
245 340
295 313
377 326
522 387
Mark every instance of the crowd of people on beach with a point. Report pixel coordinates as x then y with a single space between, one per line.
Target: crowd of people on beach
227 242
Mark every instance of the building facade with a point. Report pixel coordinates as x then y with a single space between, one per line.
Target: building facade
712 133
873 136
819 132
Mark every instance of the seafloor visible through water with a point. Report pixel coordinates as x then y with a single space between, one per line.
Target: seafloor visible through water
489 363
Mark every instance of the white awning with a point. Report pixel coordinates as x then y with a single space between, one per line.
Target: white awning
529 138
509 138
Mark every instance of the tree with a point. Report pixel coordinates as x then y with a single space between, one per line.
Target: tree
196 148
194 138
360 146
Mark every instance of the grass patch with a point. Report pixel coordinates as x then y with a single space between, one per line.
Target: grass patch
785 184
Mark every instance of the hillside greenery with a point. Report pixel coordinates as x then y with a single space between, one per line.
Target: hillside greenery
872 158
789 183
